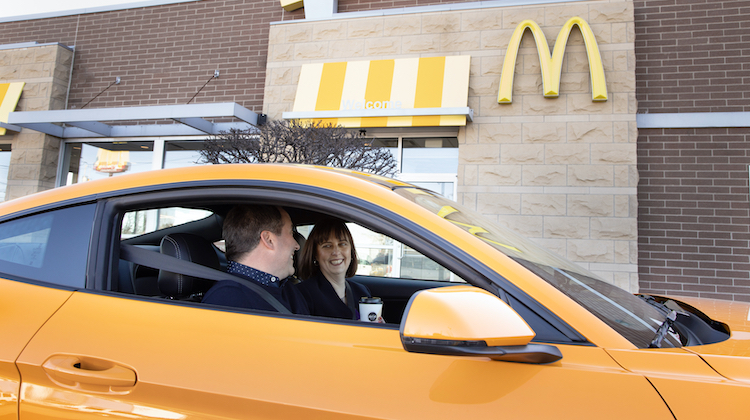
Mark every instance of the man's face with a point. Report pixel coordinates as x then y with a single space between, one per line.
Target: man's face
285 247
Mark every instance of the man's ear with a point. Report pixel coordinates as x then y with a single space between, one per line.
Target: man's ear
267 238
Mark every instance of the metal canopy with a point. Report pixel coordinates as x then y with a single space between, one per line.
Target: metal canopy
10 127
82 123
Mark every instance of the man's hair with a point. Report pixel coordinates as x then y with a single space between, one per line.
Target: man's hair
244 224
320 233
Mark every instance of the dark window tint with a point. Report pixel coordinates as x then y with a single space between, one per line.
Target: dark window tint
51 247
545 332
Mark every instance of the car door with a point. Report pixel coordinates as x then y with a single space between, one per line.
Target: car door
42 260
23 310
188 362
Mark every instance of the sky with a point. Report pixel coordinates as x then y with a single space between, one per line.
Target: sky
10 9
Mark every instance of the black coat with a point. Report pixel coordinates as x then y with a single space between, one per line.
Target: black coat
234 294
322 300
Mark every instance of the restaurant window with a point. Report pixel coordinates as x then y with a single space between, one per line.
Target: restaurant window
429 162
427 155
181 153
4 165
88 161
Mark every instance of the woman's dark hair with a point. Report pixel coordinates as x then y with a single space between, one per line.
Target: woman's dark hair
320 233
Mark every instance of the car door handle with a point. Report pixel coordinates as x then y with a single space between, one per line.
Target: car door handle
88 370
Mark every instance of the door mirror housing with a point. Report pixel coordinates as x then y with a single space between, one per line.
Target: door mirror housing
469 321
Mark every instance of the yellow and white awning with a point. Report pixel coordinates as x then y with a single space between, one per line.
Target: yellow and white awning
10 93
404 92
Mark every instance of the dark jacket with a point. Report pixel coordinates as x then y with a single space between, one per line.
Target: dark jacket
322 300
232 293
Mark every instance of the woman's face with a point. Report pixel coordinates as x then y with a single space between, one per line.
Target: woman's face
334 256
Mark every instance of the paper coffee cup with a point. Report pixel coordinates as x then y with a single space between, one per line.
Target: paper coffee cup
370 309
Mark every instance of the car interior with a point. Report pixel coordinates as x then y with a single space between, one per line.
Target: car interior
396 257
200 241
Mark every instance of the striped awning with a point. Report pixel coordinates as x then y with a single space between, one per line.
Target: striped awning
10 93
404 92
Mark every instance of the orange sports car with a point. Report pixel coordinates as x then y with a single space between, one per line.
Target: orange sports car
479 322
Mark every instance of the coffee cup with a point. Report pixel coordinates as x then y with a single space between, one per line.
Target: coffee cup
370 309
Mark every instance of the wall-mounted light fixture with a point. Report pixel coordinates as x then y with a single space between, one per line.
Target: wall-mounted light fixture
215 76
116 82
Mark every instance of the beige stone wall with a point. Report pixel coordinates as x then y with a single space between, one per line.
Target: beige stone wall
559 170
46 71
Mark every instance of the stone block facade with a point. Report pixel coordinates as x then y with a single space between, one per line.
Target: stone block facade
559 170
34 156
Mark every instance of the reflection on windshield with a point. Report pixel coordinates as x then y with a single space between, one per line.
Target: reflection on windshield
501 238
633 318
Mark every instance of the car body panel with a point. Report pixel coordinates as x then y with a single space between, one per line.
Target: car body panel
730 358
694 399
24 308
265 366
733 313
687 383
732 367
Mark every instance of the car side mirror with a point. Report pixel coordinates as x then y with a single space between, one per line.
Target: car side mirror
469 321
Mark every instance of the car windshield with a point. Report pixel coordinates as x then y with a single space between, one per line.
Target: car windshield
629 315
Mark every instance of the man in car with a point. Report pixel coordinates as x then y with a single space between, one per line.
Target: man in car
260 247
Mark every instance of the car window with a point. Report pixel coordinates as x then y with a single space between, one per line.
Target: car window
394 271
390 269
382 256
139 222
51 247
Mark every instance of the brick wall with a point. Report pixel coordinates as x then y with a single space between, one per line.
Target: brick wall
163 54
693 56
693 234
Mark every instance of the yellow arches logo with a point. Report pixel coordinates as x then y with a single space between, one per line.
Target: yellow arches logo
552 65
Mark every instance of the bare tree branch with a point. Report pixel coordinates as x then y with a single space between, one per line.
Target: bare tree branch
292 142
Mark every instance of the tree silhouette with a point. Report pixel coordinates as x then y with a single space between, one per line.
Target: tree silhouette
294 142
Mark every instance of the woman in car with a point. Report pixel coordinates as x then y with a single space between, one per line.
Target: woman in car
327 259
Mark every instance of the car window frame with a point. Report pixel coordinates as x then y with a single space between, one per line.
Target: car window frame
318 199
50 208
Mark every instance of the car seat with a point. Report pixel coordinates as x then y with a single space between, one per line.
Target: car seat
187 247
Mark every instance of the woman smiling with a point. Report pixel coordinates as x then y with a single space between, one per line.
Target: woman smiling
326 260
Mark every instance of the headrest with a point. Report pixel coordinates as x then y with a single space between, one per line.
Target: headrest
300 239
301 242
191 248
